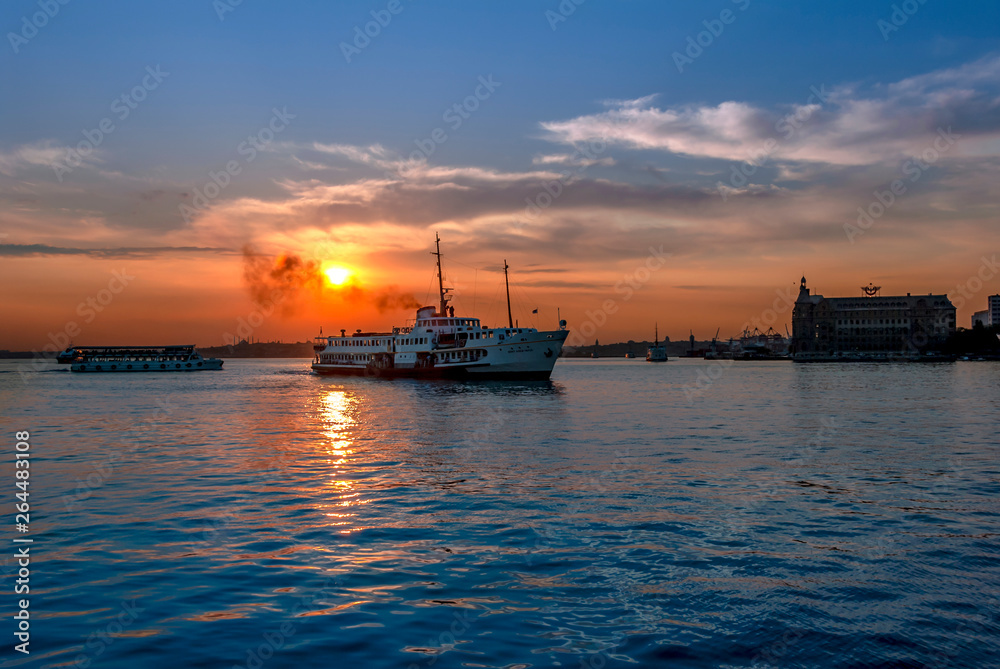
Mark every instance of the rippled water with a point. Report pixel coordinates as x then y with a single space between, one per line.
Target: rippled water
688 514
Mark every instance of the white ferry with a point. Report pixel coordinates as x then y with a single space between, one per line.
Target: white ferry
137 359
656 352
439 344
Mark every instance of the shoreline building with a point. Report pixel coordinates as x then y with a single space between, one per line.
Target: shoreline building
990 315
869 325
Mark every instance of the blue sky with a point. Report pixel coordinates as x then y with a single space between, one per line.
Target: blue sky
336 175
226 75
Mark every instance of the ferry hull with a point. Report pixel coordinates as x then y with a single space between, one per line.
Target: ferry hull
146 367
453 374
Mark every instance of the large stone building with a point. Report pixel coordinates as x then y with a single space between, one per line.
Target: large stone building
869 325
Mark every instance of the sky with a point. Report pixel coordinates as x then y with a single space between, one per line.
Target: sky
187 171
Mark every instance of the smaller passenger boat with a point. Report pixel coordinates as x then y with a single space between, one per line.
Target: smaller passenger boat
137 359
656 352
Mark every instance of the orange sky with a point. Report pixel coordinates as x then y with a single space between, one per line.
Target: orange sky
201 299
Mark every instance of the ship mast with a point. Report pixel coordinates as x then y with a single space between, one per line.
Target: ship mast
444 300
506 281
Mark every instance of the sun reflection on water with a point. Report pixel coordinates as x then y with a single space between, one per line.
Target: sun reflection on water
337 412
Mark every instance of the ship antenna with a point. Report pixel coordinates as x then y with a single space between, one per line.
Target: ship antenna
506 281
444 301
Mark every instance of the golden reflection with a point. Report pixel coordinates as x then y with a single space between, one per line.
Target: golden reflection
338 409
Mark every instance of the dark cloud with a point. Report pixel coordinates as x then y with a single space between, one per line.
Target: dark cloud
34 250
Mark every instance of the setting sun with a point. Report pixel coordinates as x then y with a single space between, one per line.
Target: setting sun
337 276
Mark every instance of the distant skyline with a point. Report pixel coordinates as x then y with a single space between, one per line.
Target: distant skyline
165 168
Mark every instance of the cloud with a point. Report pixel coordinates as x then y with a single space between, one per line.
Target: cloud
43 153
841 126
368 195
570 159
35 250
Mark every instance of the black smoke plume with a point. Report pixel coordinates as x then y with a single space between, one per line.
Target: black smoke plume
273 280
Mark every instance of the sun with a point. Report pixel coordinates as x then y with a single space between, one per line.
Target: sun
336 275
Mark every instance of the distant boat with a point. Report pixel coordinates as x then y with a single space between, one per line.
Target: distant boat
137 359
629 354
656 352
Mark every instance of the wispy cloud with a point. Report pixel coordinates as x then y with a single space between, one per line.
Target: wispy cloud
34 250
571 159
43 153
845 127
